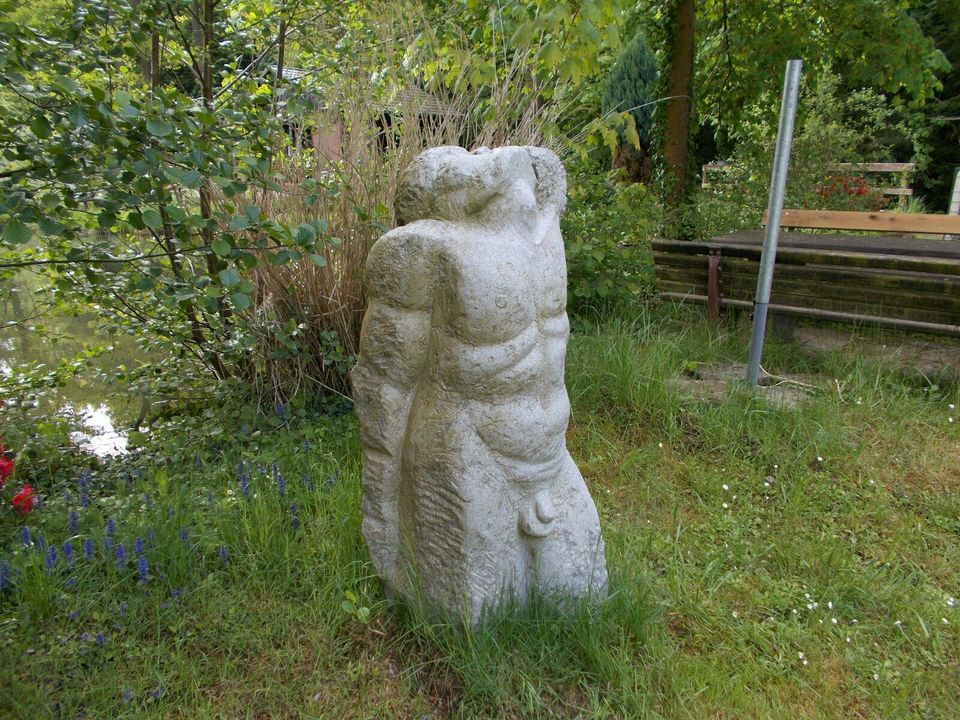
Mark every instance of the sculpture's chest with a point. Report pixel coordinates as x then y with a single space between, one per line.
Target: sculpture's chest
492 290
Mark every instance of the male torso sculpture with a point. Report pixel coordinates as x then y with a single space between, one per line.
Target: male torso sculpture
470 495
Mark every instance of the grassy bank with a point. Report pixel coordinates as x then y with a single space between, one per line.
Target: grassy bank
765 562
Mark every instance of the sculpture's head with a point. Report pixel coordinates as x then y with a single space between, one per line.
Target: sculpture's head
450 183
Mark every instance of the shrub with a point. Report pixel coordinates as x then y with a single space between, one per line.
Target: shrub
630 89
605 227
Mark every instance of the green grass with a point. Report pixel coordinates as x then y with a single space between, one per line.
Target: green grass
724 589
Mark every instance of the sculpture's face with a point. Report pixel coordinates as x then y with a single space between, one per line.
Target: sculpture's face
449 183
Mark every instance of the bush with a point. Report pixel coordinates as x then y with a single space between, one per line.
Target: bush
605 228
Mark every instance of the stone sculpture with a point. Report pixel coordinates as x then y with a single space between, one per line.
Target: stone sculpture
469 494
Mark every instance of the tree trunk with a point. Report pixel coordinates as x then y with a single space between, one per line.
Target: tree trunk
676 139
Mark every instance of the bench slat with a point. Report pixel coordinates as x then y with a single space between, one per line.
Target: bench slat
901 222
925 297
878 244
806 256
917 306
889 280
869 319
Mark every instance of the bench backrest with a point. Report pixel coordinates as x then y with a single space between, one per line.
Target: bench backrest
881 222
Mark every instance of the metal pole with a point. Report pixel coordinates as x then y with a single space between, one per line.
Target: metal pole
778 183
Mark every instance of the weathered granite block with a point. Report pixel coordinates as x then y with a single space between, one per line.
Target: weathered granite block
469 494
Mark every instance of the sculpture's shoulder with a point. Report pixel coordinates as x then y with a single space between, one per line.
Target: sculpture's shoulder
401 265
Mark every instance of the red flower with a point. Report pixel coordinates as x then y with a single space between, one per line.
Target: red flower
6 467
23 500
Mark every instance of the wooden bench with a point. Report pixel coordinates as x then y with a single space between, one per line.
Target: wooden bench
892 280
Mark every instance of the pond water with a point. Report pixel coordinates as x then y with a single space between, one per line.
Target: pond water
31 334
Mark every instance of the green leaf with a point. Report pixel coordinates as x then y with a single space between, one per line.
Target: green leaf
221 247
240 301
152 219
306 235
16 233
240 222
158 127
318 260
229 277
40 127
50 227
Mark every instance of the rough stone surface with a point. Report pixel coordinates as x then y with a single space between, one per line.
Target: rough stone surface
469 494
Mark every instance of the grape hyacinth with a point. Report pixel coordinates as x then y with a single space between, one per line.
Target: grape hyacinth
281 485
84 500
50 560
68 552
41 543
5 582
121 556
127 696
25 536
224 554
143 569
138 546
88 549
282 412
74 522
244 479
111 527
294 520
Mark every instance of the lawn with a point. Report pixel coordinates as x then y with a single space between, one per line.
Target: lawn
764 561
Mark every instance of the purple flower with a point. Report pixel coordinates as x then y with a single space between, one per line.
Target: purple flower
25 536
88 549
71 582
197 462
295 522
74 615
281 412
5 582
121 556
50 561
68 552
142 569
111 527
84 637
84 500
281 485
176 592
127 696
41 543
224 554
138 546
83 481
74 522
108 543
157 693
100 639
185 537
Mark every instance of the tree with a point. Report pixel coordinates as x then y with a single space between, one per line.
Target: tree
679 107
631 88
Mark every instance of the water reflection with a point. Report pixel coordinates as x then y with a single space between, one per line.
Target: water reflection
101 411
99 436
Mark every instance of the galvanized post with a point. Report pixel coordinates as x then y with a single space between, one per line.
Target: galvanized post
778 184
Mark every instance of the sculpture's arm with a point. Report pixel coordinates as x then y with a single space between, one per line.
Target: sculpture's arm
393 351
